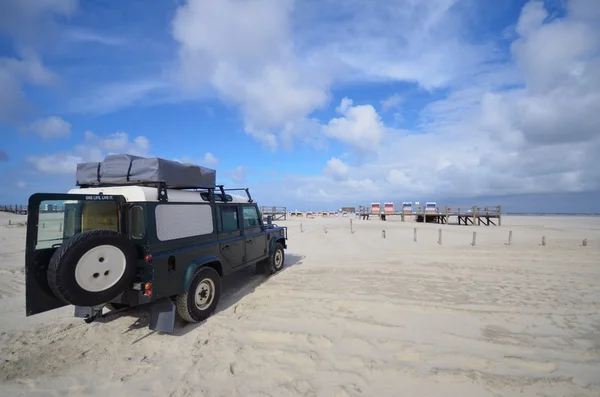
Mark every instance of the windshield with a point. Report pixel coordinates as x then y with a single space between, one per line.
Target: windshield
59 220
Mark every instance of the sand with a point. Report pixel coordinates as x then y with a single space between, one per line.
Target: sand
352 314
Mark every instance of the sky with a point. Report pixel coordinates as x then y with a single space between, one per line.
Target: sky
312 104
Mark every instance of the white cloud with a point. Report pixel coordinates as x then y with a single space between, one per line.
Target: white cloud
93 148
276 59
485 138
15 73
238 175
391 102
245 51
526 121
31 23
336 169
87 36
51 127
360 126
210 159
31 26
110 97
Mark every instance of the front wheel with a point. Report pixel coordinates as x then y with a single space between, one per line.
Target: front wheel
202 297
277 258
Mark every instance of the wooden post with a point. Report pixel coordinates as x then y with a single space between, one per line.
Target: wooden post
43 225
475 217
440 236
415 235
474 239
351 228
383 233
543 240
584 242
9 222
499 215
402 215
325 229
301 230
510 237
60 227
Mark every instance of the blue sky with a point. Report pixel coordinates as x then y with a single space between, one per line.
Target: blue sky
312 104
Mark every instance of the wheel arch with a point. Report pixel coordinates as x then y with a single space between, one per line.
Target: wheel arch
211 261
273 243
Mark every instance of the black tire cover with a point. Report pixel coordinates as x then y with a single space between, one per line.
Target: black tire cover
61 269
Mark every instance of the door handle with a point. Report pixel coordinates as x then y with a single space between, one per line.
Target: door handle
249 241
226 247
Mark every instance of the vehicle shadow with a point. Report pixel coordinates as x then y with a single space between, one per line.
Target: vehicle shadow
233 289
237 286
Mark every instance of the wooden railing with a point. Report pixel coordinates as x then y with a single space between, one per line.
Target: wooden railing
15 209
277 213
492 211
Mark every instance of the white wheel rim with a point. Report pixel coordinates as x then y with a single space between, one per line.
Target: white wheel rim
278 259
205 294
100 268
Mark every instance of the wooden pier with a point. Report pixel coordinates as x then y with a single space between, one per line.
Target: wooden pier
473 216
14 209
276 213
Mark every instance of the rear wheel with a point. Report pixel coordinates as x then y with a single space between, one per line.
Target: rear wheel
202 297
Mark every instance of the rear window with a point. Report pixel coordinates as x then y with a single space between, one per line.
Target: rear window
60 220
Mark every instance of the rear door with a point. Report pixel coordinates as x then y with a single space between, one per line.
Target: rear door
51 220
256 238
231 239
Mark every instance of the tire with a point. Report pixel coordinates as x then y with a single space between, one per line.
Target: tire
79 274
277 259
205 280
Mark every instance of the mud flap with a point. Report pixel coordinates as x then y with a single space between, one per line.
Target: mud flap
162 315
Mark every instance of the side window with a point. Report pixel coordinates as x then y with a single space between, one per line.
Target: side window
229 218
137 226
250 216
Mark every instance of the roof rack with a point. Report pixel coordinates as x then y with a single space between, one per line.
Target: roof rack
245 189
162 189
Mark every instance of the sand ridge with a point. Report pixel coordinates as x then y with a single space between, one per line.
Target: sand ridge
351 314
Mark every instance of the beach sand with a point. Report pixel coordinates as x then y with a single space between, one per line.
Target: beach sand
352 314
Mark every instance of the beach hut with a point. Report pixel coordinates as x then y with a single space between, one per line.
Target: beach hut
388 208
375 208
431 207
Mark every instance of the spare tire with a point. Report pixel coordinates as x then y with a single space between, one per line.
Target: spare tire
93 267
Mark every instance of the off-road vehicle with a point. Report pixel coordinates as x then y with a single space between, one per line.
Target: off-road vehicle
143 231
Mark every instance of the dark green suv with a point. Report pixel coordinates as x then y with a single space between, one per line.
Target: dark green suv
134 244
